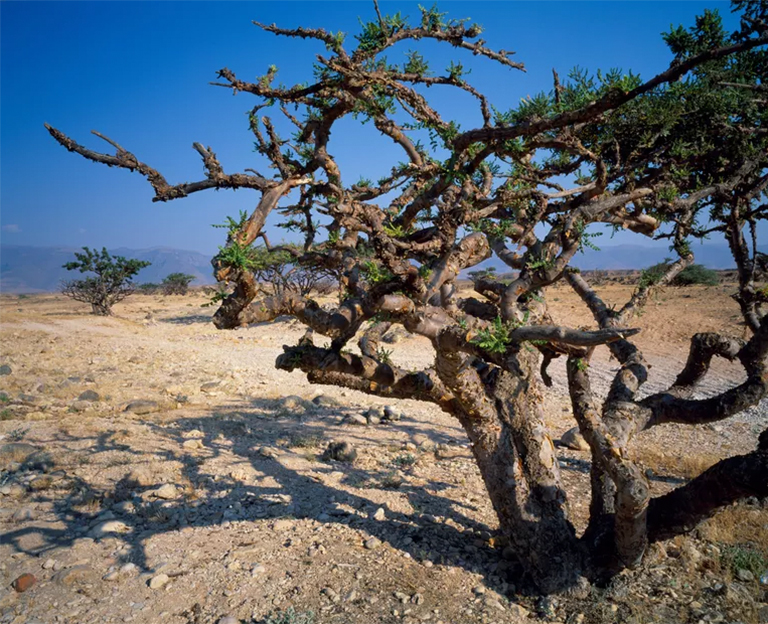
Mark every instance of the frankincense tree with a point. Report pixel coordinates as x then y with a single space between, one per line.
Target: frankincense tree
680 156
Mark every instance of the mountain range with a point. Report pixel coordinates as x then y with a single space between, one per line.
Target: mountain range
28 269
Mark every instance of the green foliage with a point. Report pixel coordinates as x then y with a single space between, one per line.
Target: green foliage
375 273
148 288
745 557
696 274
111 282
405 460
496 338
177 283
416 64
384 355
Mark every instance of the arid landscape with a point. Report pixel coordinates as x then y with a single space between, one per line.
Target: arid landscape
155 469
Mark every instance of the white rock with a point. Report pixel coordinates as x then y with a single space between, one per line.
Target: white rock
166 492
573 439
159 581
108 528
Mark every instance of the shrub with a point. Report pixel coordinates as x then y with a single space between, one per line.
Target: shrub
177 283
111 282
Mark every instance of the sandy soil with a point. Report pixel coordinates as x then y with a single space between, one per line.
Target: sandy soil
215 501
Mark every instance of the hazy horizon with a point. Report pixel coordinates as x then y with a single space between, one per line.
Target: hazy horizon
157 100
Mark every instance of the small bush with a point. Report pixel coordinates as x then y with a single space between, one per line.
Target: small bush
112 279
695 274
745 557
177 283
150 288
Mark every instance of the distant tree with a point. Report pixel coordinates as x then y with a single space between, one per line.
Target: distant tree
177 283
679 156
111 283
693 274
148 288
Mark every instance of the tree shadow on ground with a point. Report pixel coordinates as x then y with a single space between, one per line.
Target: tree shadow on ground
261 438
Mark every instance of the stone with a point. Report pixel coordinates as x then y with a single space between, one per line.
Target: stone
193 445
80 406
166 492
16 452
573 439
229 619
142 406
5 369
89 395
292 402
372 543
24 582
392 414
49 564
356 419
192 434
110 528
745 575
282 525
159 581
379 514
258 570
519 612
23 514
129 569
324 401
210 387
340 451
41 483
762 614
77 574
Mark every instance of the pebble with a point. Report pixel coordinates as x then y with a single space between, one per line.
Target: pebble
324 401
258 570
340 451
24 582
372 543
193 433
49 564
89 395
210 386
391 414
5 369
16 452
76 574
280 526
43 482
159 581
166 492
229 619
193 444
379 514
355 419
142 406
744 575
109 528
573 439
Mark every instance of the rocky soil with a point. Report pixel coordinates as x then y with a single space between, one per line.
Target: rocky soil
154 469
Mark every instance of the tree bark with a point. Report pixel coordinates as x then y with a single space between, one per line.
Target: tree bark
502 418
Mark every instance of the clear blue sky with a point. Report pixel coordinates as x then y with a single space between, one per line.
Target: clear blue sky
139 72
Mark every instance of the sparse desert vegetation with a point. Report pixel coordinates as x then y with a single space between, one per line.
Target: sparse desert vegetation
136 458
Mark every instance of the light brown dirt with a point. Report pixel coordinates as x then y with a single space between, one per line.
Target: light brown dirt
259 523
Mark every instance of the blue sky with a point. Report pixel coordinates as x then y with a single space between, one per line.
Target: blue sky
139 73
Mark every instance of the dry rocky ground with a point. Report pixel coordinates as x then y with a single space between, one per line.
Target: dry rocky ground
154 469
